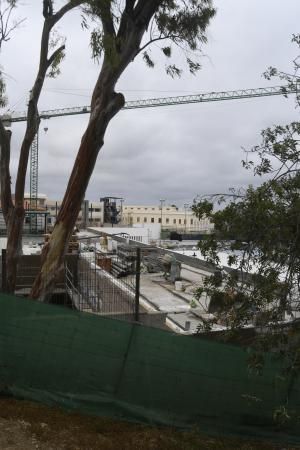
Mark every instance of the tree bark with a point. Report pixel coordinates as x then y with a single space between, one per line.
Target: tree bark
8 210
14 213
14 246
106 106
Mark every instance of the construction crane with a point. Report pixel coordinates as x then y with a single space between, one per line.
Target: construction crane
135 104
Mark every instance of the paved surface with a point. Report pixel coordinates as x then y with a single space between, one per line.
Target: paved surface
162 298
161 295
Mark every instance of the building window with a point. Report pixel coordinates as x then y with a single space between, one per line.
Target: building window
153 209
159 220
179 221
137 219
191 221
184 222
145 209
167 220
174 221
145 219
152 219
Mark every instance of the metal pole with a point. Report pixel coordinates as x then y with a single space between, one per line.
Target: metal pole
185 208
121 210
137 285
162 200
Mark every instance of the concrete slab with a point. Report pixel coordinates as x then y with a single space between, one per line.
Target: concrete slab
161 298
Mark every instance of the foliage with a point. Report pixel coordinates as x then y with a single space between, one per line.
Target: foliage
259 229
180 23
7 26
56 41
122 29
292 79
3 99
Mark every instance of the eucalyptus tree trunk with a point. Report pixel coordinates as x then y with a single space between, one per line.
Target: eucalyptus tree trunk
14 212
180 22
120 50
106 104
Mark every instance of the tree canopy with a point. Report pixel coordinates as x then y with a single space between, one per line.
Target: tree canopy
120 30
259 229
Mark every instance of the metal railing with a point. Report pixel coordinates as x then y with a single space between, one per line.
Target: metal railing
106 283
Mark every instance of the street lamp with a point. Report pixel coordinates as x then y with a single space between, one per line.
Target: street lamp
185 208
162 201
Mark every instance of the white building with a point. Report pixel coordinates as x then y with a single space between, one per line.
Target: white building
139 233
170 217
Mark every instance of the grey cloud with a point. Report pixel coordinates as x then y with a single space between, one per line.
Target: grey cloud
174 152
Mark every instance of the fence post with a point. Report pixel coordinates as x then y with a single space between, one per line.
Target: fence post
137 285
3 270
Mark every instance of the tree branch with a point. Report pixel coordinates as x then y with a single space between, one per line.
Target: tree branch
126 19
63 10
5 27
47 8
32 111
144 11
55 54
107 19
160 38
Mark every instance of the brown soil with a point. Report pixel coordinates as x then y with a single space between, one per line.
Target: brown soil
27 426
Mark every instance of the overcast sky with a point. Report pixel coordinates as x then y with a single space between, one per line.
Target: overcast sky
175 152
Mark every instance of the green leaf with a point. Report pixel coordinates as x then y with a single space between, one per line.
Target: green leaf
148 60
166 51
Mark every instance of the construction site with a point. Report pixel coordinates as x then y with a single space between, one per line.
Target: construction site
134 269
149 231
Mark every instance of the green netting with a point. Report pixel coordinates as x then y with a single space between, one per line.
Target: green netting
113 368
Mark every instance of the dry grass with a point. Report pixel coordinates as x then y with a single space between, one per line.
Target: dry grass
25 425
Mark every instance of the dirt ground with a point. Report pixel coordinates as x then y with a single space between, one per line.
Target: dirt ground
27 426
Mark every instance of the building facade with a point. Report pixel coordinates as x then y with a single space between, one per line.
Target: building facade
91 213
169 217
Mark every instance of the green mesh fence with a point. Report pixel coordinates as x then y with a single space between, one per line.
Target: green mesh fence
113 368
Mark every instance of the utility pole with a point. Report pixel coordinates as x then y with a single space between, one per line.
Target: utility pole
185 208
162 200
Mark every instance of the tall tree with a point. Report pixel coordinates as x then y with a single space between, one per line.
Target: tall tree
126 29
260 230
48 64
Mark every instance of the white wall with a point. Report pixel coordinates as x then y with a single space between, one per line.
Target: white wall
136 233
